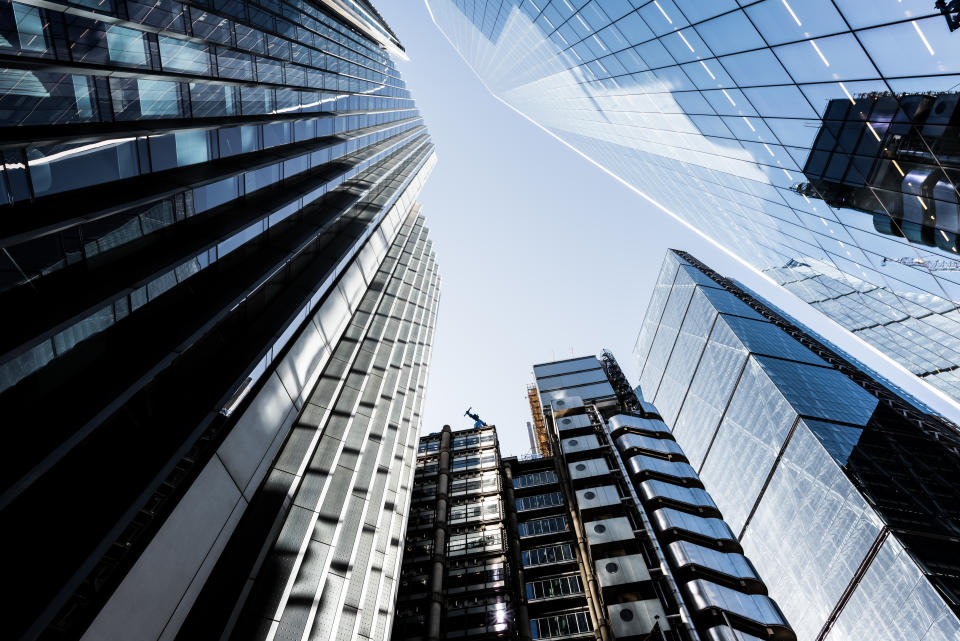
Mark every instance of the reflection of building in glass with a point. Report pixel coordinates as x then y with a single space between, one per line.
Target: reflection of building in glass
897 157
915 329
840 489
713 109
611 538
218 300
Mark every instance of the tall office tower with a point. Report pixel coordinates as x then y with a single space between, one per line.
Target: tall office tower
839 488
816 133
455 582
219 300
573 545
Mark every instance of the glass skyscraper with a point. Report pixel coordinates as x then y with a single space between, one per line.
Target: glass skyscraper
816 139
219 298
840 489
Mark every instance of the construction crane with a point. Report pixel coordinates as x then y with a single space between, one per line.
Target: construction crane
934 265
478 422
539 425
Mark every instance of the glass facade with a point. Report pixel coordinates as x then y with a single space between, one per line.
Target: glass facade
815 139
208 229
836 486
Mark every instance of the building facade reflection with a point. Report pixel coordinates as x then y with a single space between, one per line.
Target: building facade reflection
769 126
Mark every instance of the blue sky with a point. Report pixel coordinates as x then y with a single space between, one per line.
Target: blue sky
542 254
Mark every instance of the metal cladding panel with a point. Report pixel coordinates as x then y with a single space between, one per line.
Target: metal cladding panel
730 563
588 468
571 380
573 422
658 445
621 570
649 408
645 424
667 519
641 464
579 444
598 497
590 392
756 607
637 617
724 633
562 403
692 496
609 530
564 367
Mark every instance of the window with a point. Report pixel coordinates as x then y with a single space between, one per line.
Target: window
535 478
561 625
539 501
476 484
544 526
180 55
554 587
547 555
428 446
481 510
485 540
126 46
474 574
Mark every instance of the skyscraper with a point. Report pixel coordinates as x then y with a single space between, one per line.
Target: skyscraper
841 489
455 580
816 133
611 537
219 299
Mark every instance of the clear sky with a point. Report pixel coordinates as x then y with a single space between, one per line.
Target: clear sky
543 256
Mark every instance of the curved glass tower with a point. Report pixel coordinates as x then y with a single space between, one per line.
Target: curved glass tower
815 139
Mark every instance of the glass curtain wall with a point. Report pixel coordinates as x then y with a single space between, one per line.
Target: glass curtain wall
818 135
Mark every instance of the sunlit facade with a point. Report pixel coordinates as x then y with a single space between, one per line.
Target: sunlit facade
712 109
218 297
840 489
